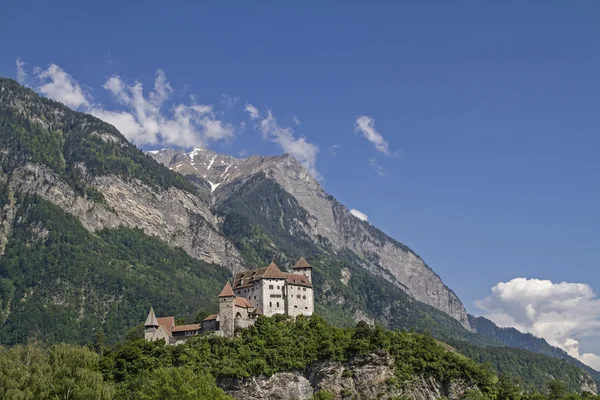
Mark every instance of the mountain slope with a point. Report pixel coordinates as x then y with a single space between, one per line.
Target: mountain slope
90 170
318 218
526 341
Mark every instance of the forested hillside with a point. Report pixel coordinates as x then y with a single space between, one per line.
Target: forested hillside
61 283
321 360
526 341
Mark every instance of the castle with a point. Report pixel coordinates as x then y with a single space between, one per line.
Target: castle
264 291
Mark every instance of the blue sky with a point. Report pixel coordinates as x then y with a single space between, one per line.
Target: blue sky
483 119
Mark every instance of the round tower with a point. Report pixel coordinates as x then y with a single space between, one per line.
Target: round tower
227 311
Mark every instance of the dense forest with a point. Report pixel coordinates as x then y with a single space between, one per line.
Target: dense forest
136 369
526 341
62 283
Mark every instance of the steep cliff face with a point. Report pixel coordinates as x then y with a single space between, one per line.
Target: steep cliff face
370 377
324 218
173 215
90 170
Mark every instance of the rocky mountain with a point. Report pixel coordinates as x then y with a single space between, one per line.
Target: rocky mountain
323 218
93 232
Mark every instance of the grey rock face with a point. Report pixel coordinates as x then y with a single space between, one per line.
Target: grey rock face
328 218
370 377
177 217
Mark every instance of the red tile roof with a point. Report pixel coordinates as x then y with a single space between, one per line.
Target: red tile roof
302 263
257 311
210 317
273 272
298 279
186 328
249 278
243 302
227 291
167 322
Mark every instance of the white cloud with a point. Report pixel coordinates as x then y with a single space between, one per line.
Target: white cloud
21 74
378 168
299 148
253 111
60 86
360 215
562 313
366 125
145 122
296 120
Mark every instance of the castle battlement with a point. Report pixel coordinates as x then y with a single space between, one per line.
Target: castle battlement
264 291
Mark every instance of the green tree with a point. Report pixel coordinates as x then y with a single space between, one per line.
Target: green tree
182 384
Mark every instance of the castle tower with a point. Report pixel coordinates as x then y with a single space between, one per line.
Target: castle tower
151 325
227 311
304 268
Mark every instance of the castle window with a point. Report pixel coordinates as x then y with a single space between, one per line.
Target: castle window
270 304
298 296
306 308
275 296
270 286
304 289
304 297
277 304
295 306
277 287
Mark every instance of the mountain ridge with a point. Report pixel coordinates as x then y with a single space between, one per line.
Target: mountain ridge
326 218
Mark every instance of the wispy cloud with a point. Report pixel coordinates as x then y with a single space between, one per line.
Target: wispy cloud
366 126
378 168
146 122
60 86
143 118
298 147
296 120
20 71
253 111
360 215
562 313
150 117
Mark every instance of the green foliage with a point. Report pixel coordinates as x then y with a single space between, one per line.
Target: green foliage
144 370
59 372
282 344
526 341
180 383
59 282
536 371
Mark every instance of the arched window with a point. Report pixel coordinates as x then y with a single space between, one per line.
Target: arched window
295 306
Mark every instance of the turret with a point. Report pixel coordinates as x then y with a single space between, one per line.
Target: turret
304 268
227 311
151 325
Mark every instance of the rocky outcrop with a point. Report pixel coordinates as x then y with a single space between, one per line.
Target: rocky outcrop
328 218
175 216
370 377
